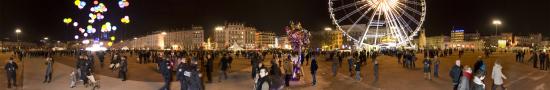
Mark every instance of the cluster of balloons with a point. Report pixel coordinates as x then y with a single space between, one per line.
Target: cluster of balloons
96 29
79 4
125 20
123 3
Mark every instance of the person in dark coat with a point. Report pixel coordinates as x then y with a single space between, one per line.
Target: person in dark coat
164 68
427 68
456 73
101 57
263 82
480 66
183 74
49 69
209 67
11 70
313 68
85 69
194 80
224 64
123 68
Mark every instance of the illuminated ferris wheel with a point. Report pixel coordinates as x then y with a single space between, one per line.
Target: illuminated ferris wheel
378 22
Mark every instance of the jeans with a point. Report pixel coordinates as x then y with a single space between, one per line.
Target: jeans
48 77
358 75
436 71
167 81
223 74
313 76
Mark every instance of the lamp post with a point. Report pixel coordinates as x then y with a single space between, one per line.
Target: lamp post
496 23
17 32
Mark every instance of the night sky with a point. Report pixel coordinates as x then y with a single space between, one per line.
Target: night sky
40 18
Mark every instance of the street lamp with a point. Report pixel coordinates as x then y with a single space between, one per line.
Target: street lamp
328 29
164 33
496 23
46 38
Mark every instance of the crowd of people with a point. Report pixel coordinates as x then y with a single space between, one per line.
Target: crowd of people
192 69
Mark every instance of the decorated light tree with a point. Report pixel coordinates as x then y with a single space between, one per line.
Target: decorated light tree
95 22
299 40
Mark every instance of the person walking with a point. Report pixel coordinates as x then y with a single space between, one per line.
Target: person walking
497 76
351 65
313 68
209 67
123 68
11 70
288 71
49 69
427 68
478 82
164 68
335 64
357 71
436 67
183 74
456 73
465 79
224 64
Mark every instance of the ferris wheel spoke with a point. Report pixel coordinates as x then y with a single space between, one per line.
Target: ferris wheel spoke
362 16
352 13
368 27
395 24
411 2
403 12
349 5
409 8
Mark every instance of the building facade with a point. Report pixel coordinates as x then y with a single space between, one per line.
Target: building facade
332 39
176 39
234 34
265 40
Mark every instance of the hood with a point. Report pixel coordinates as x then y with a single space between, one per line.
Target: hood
497 66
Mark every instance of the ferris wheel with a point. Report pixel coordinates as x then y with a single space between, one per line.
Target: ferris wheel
378 22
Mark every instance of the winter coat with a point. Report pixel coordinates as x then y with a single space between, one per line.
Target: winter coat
455 73
465 81
314 66
288 67
497 74
478 83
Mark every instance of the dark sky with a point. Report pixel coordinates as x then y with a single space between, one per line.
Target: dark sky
40 18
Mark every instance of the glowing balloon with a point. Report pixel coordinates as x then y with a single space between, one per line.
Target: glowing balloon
81 30
92 16
82 5
89 27
91 21
110 44
95 2
75 24
67 20
125 20
76 37
77 2
85 34
100 16
113 28
100 43
113 38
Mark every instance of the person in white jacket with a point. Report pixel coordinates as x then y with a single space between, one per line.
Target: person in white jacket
497 76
